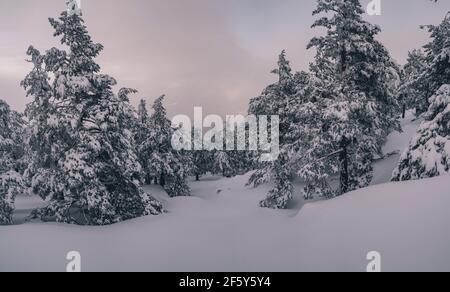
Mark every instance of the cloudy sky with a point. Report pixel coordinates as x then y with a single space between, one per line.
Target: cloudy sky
211 53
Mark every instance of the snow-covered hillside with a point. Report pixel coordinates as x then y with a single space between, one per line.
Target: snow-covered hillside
221 228
226 231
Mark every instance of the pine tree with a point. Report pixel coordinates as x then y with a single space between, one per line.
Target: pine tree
437 54
83 158
414 90
169 166
201 159
354 96
11 155
222 163
278 99
142 132
428 154
143 113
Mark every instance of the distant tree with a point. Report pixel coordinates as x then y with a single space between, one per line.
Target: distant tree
414 91
202 160
279 99
171 167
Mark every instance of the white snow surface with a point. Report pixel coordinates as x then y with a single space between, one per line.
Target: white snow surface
221 228
395 146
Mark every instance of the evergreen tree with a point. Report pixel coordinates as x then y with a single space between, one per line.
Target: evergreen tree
428 154
354 96
279 99
202 163
143 116
414 91
222 163
437 54
425 72
201 159
429 151
170 167
142 132
11 155
83 158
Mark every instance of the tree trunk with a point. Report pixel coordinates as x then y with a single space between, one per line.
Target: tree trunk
343 159
162 180
197 177
404 111
148 180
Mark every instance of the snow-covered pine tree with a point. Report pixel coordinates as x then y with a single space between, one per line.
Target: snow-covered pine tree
202 163
222 163
437 54
201 159
142 132
169 166
354 94
83 158
278 99
11 154
414 91
425 72
143 116
428 154
244 161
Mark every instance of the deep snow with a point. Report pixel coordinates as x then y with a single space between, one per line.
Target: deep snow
221 228
395 145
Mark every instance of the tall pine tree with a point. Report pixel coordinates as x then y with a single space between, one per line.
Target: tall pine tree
170 167
437 55
201 159
280 99
142 132
428 154
414 90
83 158
354 94
11 156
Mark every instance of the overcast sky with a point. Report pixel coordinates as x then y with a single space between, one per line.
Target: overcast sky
211 53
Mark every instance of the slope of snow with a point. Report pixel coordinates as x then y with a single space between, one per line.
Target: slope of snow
396 144
222 229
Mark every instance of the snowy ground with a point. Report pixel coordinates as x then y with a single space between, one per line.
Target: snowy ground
221 228
396 144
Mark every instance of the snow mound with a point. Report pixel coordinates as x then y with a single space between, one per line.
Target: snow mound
408 223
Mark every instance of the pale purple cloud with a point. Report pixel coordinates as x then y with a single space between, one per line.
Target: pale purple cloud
211 53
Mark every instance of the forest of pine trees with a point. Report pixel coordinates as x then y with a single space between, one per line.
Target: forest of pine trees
83 148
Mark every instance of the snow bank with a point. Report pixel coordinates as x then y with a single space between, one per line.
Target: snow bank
222 229
395 145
